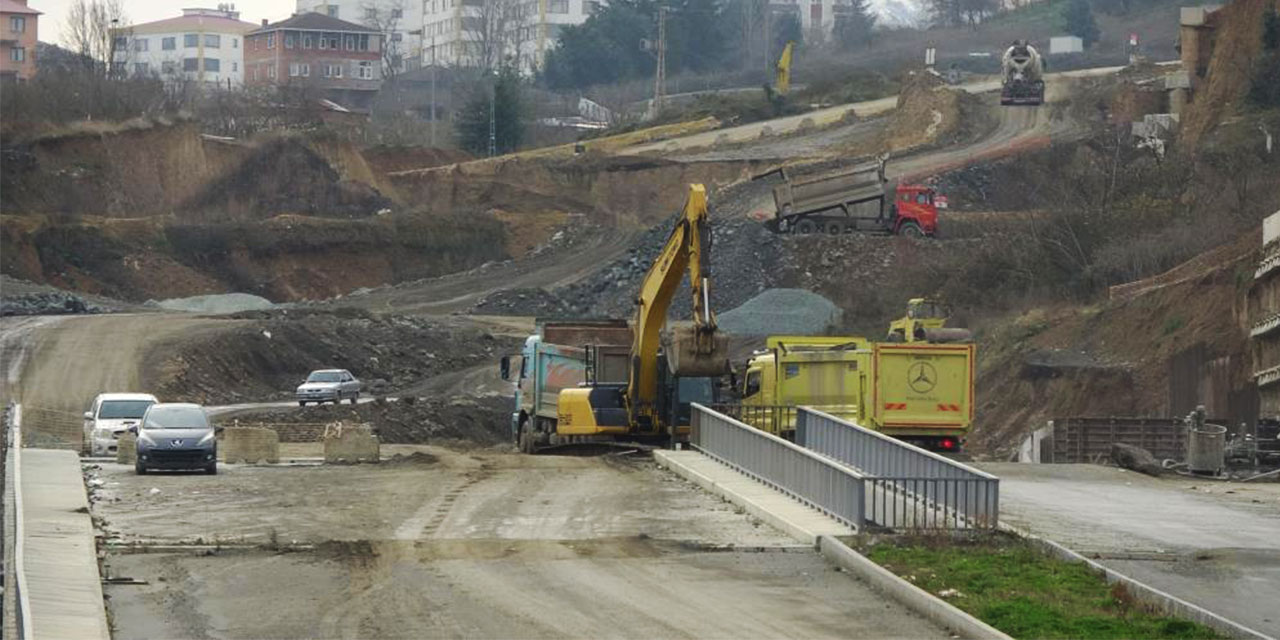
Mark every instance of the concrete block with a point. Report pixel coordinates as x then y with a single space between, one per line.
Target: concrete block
1180 79
1196 16
350 444
127 448
250 445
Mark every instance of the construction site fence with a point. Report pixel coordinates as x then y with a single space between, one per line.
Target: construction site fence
909 487
898 488
1089 439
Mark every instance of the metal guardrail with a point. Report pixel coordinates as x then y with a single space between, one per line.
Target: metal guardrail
822 483
908 487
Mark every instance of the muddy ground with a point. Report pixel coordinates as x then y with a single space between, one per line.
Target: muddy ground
466 544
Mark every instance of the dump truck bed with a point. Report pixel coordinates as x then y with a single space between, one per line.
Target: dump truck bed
923 389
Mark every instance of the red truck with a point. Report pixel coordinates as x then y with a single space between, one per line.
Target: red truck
857 200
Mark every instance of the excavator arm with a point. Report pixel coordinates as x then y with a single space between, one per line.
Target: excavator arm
783 83
695 350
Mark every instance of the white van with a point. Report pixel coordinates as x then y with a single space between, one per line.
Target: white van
111 415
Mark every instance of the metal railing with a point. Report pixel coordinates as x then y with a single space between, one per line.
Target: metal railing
908 487
17 610
820 482
778 419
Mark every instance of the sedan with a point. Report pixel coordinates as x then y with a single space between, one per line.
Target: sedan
329 385
176 436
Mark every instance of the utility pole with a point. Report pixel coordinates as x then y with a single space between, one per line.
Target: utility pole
768 18
433 90
660 75
493 116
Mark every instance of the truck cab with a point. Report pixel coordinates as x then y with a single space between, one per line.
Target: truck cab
915 204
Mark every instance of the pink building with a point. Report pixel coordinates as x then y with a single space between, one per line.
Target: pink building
18 33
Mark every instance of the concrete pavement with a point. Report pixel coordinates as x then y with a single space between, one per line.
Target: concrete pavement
1213 544
60 558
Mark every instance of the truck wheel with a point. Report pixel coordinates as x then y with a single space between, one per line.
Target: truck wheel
805 227
833 228
910 230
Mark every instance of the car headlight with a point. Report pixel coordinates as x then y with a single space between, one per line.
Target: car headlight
143 438
208 437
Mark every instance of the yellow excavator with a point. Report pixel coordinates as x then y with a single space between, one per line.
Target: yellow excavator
782 85
668 369
926 321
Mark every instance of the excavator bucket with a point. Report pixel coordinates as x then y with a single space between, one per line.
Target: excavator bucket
694 352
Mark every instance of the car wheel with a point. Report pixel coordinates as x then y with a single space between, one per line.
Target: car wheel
139 469
302 403
355 397
212 469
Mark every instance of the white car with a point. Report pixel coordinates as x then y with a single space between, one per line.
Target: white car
110 415
329 385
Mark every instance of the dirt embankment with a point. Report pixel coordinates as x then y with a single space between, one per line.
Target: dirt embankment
1237 42
461 421
930 113
265 359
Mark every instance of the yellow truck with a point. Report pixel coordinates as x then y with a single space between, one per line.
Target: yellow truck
919 392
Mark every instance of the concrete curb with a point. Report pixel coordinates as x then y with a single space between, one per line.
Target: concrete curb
909 595
771 518
1163 602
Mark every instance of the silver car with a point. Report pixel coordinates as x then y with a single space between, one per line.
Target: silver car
176 436
329 385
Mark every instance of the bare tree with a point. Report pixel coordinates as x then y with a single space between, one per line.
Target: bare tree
386 16
92 28
495 29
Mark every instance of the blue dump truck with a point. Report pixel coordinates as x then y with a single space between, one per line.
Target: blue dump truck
561 355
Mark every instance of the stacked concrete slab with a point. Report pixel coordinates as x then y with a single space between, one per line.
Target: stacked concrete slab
1264 319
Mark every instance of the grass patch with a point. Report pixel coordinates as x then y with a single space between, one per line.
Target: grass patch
1022 591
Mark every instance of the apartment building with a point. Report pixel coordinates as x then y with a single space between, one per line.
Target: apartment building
341 60
19 31
400 21
472 33
202 45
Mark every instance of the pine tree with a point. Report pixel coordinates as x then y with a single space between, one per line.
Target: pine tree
504 92
853 29
1079 21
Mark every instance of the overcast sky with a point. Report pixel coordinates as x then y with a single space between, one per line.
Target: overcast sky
53 22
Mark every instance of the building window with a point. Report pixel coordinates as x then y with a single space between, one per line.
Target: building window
190 40
395 37
351 43
288 40
17 24
235 43
271 72
366 70
299 70
364 43
120 43
332 38
140 69
18 54
557 6
168 67
308 41
397 13
304 69
235 67
191 64
213 41
271 40
331 70
168 44
332 10
141 44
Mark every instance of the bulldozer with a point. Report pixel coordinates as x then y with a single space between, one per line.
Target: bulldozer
669 369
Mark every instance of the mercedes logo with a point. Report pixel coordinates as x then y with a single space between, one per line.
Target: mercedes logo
922 377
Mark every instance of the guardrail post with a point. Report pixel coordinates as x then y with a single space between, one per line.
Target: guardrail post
802 431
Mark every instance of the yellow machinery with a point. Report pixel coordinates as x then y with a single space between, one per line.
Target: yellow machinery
783 83
918 392
654 402
926 321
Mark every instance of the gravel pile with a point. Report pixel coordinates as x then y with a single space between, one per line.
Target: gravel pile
782 311
219 303
46 303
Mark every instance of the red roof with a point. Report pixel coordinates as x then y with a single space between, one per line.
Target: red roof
189 23
9 6
317 22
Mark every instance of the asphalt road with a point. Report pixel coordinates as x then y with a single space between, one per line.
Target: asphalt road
1211 543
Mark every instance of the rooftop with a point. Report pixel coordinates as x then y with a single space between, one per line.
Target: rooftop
195 20
12 6
316 22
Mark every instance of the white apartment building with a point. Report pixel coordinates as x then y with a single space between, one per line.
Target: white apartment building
403 41
455 32
204 45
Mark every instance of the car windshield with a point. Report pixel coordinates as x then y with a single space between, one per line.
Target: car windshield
325 376
123 409
176 418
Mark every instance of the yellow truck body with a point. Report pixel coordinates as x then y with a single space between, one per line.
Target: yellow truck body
916 391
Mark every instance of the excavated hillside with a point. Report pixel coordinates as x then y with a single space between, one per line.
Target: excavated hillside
1237 42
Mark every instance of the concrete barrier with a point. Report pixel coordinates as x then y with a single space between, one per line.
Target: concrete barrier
350 444
127 448
250 445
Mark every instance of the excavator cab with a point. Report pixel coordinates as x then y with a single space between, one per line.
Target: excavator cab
923 314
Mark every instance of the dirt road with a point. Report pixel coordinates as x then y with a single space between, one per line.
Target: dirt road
476 544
